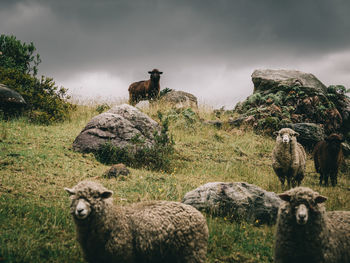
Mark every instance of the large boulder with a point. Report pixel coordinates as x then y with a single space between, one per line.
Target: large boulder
268 80
180 99
236 201
122 126
10 101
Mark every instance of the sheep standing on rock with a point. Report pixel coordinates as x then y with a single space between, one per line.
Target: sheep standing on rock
328 156
145 89
288 158
305 232
155 231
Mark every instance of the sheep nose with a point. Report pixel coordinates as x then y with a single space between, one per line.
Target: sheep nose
302 216
80 210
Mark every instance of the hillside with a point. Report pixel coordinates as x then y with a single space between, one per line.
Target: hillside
37 162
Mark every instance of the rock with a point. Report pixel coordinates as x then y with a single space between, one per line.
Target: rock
180 99
143 105
237 201
215 123
268 80
236 122
122 126
10 100
309 133
117 170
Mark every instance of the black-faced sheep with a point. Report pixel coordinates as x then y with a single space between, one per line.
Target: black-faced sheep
328 156
145 89
155 231
288 158
305 232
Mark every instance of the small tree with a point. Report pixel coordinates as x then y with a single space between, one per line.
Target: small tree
18 55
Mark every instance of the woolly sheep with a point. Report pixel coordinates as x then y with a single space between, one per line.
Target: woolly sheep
288 158
305 232
328 156
145 89
155 231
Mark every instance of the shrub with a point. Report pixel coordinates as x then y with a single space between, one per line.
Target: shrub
102 108
157 157
164 91
296 104
47 103
18 55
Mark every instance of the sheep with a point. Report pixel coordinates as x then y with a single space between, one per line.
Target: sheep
305 232
328 156
153 231
145 89
288 158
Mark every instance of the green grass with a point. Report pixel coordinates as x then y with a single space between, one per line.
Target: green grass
37 162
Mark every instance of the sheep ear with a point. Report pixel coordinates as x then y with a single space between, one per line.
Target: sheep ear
285 197
320 199
275 133
296 134
69 191
160 72
106 194
150 72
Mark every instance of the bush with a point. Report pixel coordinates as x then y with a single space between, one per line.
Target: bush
102 108
18 55
164 91
46 102
296 104
157 157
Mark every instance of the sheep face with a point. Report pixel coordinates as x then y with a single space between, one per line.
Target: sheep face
155 75
82 209
84 196
286 135
302 203
334 142
301 214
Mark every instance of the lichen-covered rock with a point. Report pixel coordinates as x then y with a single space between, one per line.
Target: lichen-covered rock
123 126
236 201
266 80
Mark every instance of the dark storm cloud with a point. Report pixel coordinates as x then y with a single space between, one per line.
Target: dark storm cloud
123 37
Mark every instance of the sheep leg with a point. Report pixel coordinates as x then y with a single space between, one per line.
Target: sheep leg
333 179
325 178
282 179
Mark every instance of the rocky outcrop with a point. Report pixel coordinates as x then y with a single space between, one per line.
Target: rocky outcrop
123 126
236 201
285 97
180 99
270 80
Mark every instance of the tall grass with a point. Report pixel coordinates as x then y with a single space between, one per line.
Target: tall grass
37 162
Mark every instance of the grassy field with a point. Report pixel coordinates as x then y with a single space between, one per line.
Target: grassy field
37 162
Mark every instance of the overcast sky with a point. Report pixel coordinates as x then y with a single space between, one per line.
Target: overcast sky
206 47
